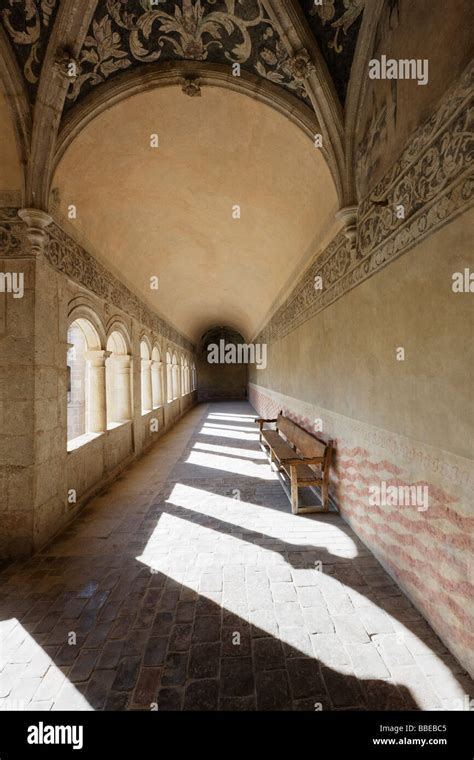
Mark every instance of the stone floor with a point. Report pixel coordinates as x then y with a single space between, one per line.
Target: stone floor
190 585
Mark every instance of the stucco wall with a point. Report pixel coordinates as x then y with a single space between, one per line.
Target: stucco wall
405 422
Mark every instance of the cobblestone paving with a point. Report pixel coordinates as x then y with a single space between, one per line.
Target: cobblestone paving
189 585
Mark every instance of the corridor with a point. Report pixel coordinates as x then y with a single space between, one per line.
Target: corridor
190 585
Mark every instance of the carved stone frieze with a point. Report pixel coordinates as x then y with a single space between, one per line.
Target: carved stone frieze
433 182
72 260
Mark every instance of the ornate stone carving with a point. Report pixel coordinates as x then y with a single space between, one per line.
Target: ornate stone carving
432 179
36 222
70 259
192 87
66 64
348 215
66 256
12 234
301 66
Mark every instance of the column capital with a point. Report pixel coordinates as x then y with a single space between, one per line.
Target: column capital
97 357
122 361
348 216
36 222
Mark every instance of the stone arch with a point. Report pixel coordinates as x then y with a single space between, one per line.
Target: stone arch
86 394
145 346
91 323
117 326
166 75
118 375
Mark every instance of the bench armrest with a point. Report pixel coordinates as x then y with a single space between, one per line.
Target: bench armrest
305 460
261 422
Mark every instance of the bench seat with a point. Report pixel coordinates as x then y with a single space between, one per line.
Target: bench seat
305 474
271 437
300 456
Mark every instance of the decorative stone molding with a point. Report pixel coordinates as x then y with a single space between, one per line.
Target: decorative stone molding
70 259
192 87
432 180
36 222
66 256
66 64
348 215
301 66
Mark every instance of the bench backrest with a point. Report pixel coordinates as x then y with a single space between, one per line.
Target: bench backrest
306 443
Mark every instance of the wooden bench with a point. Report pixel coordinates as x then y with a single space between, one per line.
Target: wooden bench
301 456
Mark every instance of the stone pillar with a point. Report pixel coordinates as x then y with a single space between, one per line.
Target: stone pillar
147 399
122 399
96 400
157 382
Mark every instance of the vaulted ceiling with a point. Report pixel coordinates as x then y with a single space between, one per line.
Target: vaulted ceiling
89 82
127 33
171 211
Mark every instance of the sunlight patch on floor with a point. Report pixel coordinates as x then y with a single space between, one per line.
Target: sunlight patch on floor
240 453
20 652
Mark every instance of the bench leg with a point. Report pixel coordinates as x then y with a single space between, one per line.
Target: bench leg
294 490
325 491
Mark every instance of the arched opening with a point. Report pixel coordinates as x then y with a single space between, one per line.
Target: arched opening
223 371
86 388
117 380
145 377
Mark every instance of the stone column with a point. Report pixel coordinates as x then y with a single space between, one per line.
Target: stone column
122 400
157 382
147 399
95 399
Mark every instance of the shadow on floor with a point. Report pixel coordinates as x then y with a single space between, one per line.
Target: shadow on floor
95 621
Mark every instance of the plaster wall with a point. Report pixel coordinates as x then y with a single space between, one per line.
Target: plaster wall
432 30
405 422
